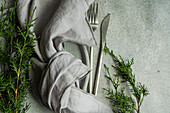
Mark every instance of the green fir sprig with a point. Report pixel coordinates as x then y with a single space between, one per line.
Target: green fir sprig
121 102
16 49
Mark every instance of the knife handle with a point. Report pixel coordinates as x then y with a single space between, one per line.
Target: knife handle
97 77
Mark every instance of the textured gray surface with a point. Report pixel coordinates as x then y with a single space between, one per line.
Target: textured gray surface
139 29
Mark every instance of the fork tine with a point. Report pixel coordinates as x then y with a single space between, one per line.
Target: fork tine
96 14
93 12
89 13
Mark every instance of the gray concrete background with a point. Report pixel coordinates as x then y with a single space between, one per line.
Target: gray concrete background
141 29
138 29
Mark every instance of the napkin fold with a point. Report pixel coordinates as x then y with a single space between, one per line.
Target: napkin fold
55 70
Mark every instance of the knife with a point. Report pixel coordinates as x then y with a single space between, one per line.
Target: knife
103 31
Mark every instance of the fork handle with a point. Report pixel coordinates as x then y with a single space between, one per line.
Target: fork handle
91 74
97 77
86 53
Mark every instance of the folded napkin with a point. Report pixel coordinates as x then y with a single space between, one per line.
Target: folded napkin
55 70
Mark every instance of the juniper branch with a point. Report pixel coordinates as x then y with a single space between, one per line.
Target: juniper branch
124 71
16 49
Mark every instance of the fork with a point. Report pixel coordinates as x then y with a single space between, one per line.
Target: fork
92 16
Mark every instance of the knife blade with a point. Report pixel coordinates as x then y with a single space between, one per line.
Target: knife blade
103 30
104 27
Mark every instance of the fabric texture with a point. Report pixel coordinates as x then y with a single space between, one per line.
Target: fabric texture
55 70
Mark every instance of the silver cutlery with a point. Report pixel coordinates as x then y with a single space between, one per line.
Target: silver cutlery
92 16
93 19
103 30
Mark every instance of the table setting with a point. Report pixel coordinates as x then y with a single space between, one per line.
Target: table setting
70 69
56 72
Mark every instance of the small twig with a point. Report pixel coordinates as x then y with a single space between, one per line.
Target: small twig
138 105
2 98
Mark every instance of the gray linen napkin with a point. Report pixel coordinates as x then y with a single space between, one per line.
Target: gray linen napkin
55 71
